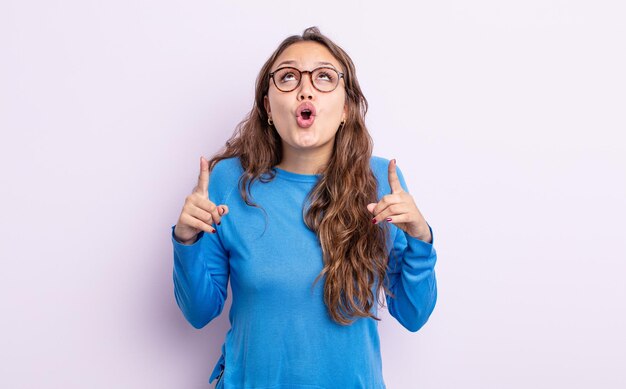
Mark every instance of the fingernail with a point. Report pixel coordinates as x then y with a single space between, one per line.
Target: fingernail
215 231
218 223
394 161
388 219
374 220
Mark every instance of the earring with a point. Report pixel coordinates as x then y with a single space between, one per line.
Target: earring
343 122
270 121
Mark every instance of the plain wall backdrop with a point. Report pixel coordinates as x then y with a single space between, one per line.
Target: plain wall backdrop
507 119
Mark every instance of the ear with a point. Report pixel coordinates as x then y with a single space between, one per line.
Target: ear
266 103
345 112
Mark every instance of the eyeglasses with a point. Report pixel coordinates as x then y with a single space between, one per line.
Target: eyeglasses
324 79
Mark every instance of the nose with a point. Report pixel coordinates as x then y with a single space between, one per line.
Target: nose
306 87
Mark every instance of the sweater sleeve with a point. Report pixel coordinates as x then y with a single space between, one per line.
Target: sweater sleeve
201 272
412 279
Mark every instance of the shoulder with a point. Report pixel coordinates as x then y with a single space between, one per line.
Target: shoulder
227 167
224 177
380 168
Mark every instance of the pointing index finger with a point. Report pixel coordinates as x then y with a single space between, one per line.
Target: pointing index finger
203 178
394 181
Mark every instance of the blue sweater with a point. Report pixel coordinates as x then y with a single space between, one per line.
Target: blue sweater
281 336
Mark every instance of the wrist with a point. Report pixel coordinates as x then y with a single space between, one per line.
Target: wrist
188 241
422 234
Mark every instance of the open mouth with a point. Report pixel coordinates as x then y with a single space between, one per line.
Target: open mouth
305 115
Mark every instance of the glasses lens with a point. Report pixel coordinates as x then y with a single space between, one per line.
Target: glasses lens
287 79
325 79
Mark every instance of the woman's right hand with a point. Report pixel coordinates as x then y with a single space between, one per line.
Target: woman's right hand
198 212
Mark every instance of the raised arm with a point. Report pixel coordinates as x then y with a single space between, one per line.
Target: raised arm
412 258
201 267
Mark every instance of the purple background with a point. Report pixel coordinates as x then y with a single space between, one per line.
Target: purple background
507 119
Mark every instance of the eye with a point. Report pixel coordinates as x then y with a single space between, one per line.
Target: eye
290 76
287 75
326 75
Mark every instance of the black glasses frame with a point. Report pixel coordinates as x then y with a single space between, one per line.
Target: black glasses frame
301 72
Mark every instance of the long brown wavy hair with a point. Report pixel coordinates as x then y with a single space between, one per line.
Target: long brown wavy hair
354 249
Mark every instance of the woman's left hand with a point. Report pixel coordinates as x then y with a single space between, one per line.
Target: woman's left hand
399 208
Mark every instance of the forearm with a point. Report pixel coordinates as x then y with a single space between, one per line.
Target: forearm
415 296
200 277
413 281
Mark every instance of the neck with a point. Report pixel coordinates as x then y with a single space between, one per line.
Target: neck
304 162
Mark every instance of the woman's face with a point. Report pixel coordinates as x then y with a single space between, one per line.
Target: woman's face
318 132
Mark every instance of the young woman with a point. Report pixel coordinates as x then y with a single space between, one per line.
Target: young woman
310 228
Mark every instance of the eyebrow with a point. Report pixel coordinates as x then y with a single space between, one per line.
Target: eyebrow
294 63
